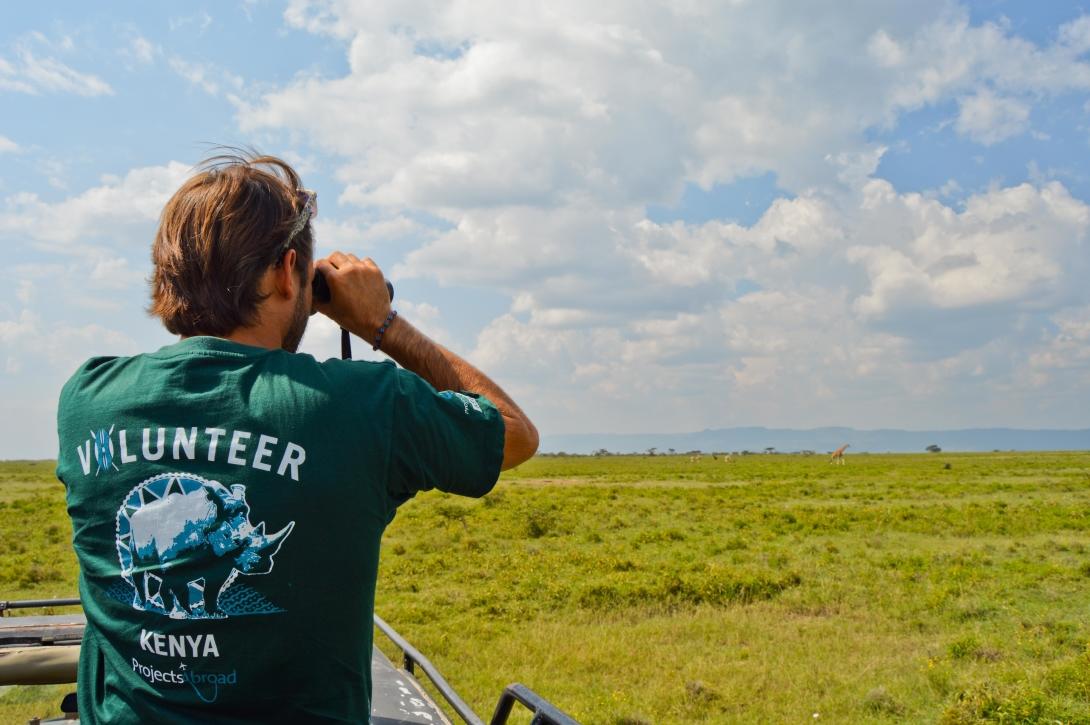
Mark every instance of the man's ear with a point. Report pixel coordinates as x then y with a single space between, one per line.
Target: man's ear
285 280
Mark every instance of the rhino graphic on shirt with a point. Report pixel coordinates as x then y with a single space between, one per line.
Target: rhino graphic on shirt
182 540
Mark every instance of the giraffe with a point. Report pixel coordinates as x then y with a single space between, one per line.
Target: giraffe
838 455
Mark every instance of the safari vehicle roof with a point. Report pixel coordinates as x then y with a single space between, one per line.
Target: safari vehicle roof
44 650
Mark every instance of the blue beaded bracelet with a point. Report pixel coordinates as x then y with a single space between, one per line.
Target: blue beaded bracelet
382 330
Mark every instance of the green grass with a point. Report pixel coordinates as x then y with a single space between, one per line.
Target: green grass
631 589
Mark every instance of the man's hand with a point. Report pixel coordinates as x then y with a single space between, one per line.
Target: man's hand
359 301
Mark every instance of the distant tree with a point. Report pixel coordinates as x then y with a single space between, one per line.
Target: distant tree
651 451
933 449
770 449
671 451
601 452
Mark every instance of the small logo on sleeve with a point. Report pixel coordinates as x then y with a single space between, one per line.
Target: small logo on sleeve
467 402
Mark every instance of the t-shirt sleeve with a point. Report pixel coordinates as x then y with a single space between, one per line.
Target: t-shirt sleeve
452 441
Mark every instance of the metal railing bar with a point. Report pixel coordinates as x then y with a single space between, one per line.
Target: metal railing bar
545 713
412 655
36 603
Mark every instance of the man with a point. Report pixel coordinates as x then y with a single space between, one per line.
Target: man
228 496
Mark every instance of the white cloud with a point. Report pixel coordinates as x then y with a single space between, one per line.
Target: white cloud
25 291
854 306
27 341
1075 35
540 135
22 327
113 211
364 237
1061 364
32 74
114 273
807 227
885 50
989 119
211 79
248 8
518 148
514 245
475 105
142 50
1018 245
7 146
201 21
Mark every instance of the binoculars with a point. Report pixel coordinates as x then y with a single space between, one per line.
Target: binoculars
321 291
320 288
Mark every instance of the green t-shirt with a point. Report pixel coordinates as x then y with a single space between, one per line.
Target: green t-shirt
227 504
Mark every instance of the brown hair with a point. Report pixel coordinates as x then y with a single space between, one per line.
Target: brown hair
218 235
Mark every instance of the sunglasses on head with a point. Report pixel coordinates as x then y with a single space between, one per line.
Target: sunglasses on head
308 201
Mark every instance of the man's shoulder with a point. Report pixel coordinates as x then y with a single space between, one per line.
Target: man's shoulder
92 369
362 380
96 366
337 369
101 372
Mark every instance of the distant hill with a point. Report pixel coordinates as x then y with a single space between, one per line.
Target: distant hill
821 440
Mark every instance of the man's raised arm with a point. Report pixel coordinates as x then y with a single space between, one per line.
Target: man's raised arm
415 351
360 304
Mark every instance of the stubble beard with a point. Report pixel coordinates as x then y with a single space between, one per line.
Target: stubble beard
299 317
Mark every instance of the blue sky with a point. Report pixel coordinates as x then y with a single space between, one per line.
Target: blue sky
636 216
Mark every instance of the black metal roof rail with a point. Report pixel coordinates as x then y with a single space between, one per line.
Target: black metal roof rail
412 657
545 713
36 603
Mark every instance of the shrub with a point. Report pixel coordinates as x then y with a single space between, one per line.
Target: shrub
986 704
880 702
672 590
658 536
451 512
539 522
699 699
964 647
1071 679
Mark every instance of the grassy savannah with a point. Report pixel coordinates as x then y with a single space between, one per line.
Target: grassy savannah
948 588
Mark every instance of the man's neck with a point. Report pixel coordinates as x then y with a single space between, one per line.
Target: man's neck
258 337
254 337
